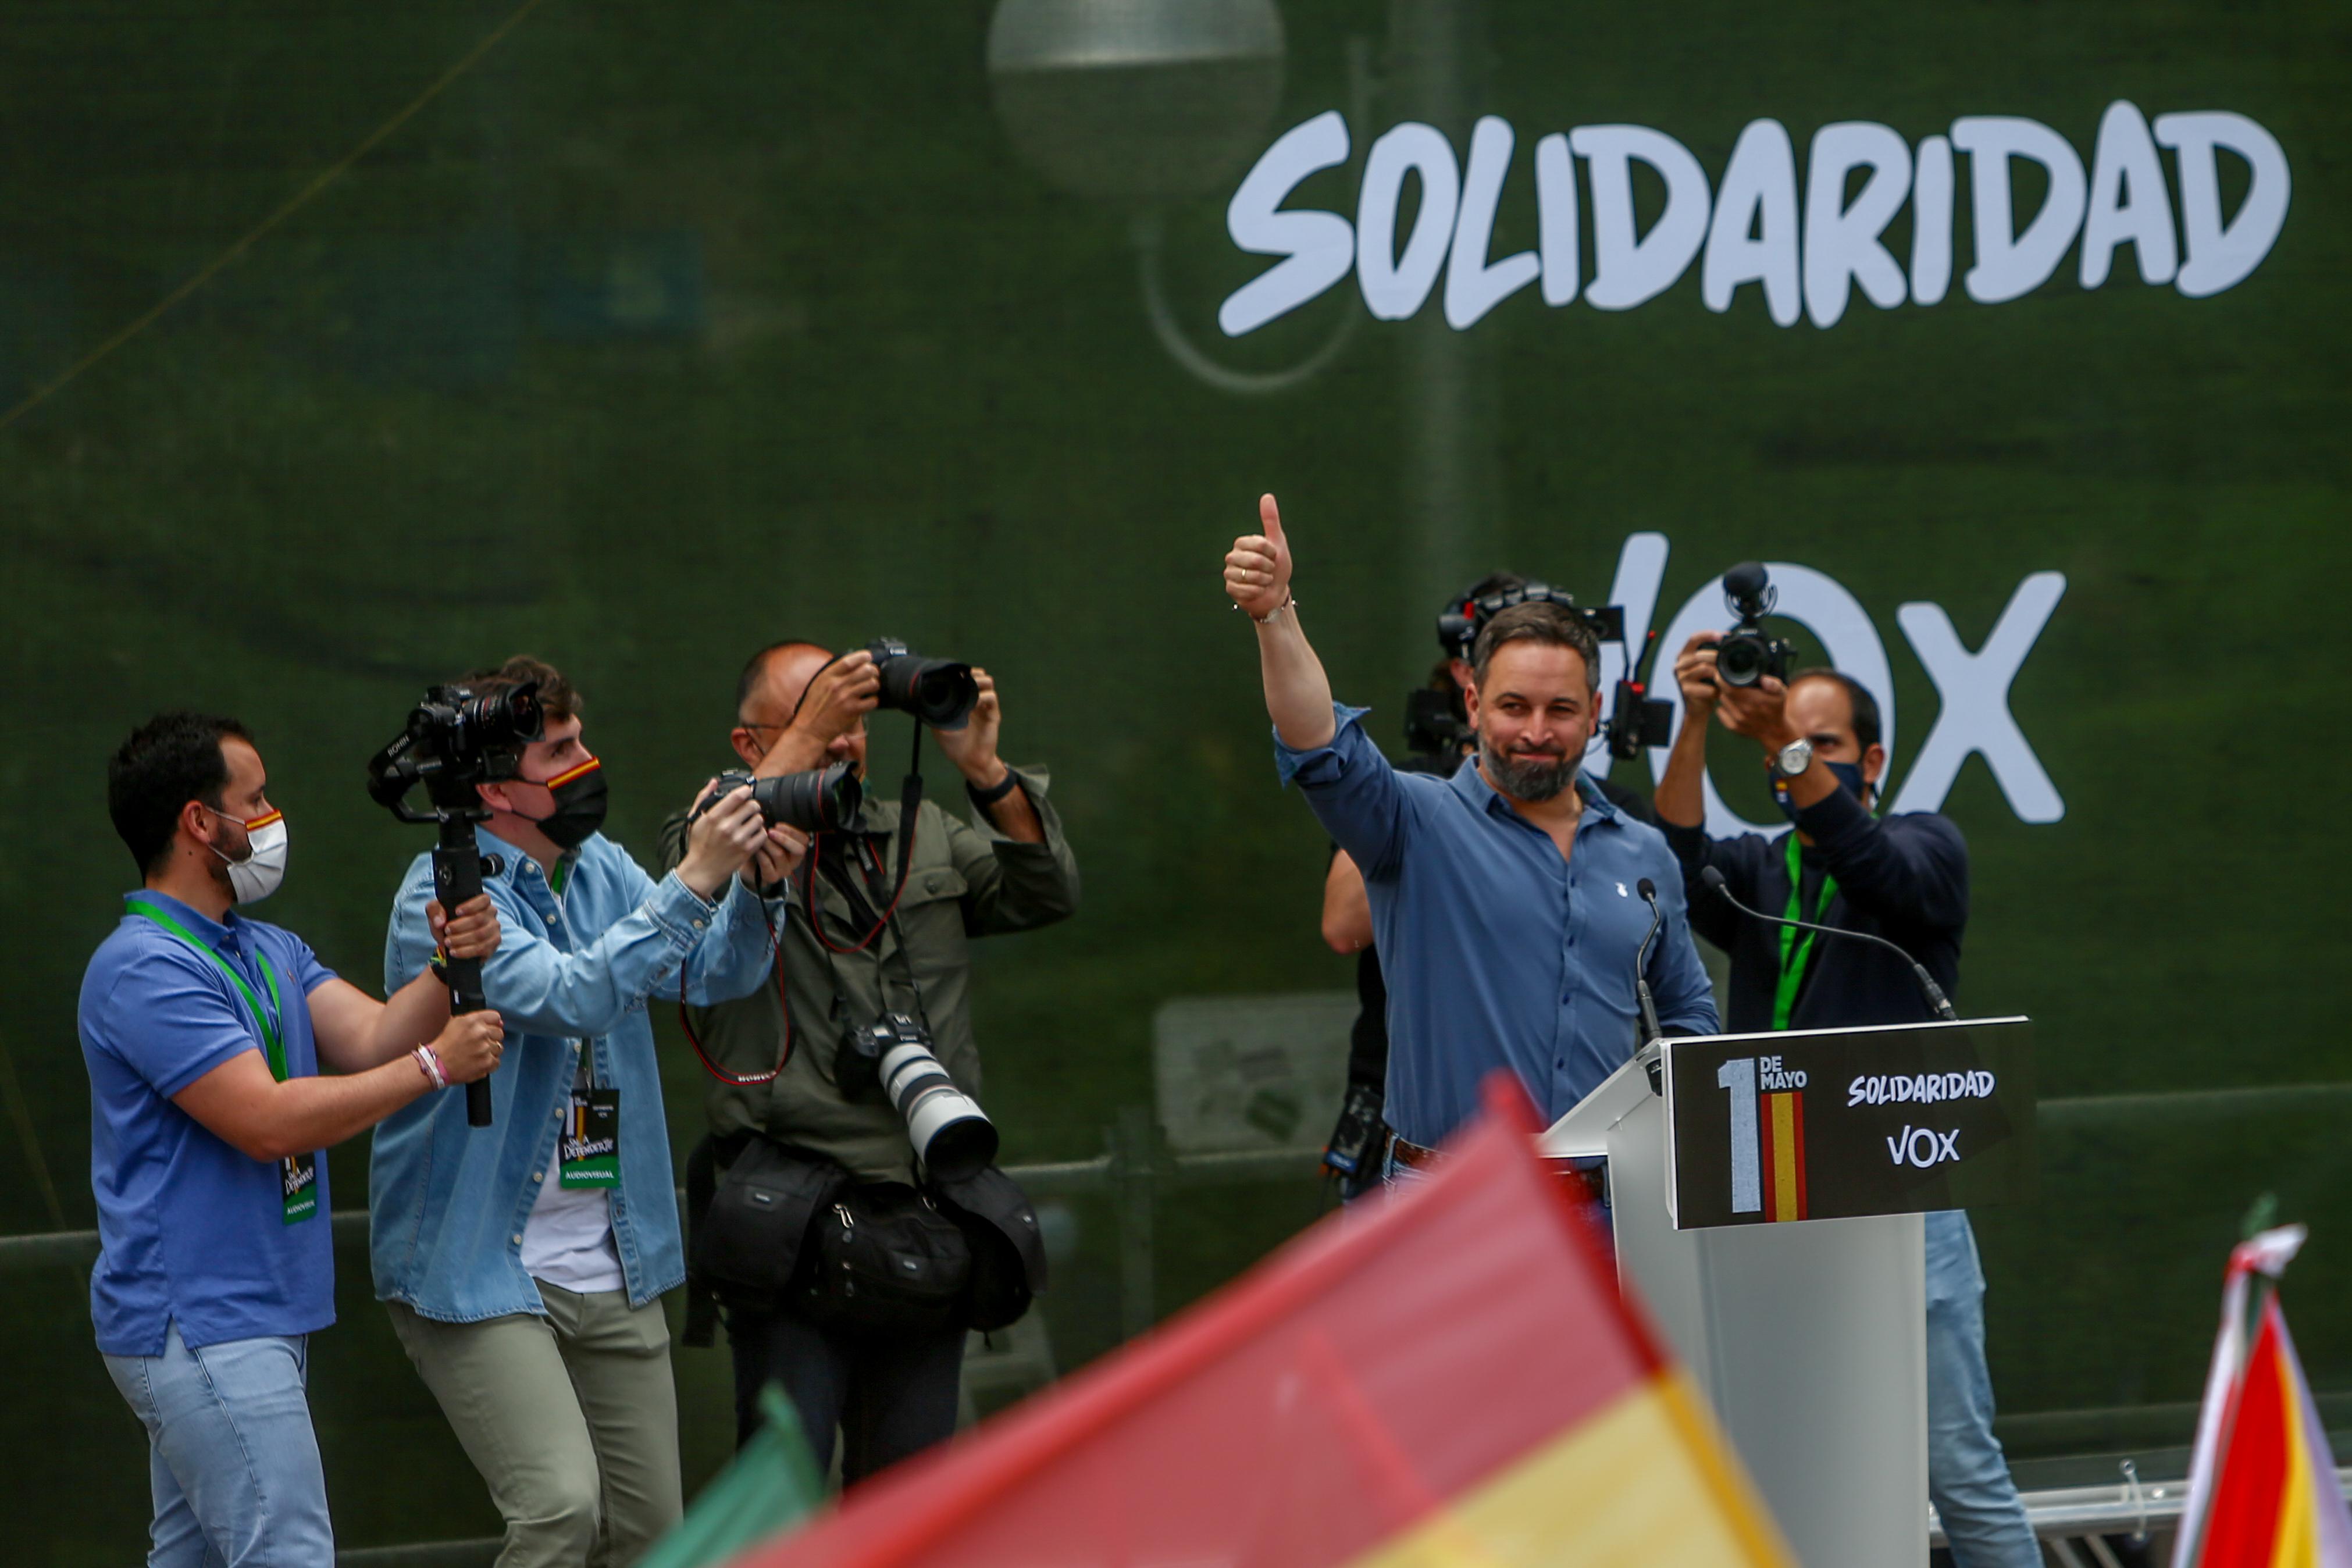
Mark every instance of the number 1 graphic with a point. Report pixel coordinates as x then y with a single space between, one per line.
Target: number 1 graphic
1738 1076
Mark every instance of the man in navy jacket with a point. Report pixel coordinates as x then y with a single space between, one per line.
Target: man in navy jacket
1902 877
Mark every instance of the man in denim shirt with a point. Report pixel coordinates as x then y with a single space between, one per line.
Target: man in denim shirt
1504 899
523 1263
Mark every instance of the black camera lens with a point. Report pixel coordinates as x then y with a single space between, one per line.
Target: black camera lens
818 801
939 691
1742 660
505 719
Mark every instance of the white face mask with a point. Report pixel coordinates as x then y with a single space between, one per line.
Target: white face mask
262 870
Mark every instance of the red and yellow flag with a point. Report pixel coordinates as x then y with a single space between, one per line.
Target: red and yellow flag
1446 1375
1780 1135
2262 1489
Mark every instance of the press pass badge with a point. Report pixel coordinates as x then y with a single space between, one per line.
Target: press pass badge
590 1148
298 1174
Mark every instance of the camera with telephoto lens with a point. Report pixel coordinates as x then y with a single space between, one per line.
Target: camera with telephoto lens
454 739
939 691
952 1136
818 801
1747 653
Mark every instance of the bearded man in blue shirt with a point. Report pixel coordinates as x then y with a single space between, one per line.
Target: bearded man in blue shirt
523 1263
204 1033
1504 899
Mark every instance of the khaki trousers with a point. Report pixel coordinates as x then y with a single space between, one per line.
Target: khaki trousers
571 1419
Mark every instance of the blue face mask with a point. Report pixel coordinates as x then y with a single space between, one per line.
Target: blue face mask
1848 777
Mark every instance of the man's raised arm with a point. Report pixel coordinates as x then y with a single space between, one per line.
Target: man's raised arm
1297 692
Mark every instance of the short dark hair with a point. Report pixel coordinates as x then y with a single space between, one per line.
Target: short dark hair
1865 706
559 700
169 761
755 669
1541 621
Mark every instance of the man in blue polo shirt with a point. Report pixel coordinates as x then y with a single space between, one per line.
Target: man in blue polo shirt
1505 899
204 1033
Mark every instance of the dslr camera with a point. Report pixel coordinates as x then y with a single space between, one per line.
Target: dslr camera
454 739
817 801
939 691
1747 653
892 1057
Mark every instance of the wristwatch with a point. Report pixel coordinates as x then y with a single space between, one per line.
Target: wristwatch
1792 759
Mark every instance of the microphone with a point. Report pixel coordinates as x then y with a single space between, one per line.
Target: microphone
1714 883
1650 1030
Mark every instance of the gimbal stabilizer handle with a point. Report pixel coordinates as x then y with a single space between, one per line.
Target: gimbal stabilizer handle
457 878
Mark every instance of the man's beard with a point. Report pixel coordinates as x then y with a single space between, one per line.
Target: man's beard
1528 778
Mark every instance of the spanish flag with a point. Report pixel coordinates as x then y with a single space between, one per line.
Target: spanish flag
1780 1126
1444 1375
2263 1490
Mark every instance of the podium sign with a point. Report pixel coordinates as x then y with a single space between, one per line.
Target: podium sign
1839 1123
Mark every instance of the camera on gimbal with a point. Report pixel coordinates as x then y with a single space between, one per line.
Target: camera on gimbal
892 1057
454 739
1747 653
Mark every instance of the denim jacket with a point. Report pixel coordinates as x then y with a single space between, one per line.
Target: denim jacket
447 1202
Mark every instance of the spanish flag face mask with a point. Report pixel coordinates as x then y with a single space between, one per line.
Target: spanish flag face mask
579 797
262 869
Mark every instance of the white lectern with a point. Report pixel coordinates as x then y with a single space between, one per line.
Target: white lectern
1809 1337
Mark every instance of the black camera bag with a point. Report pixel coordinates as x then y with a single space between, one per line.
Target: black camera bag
748 1243
884 1258
1008 1254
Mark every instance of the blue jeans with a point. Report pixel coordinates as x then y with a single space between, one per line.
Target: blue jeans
231 1456
1967 1475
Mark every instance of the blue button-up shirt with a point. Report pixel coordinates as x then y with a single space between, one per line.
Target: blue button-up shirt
447 1202
1498 951
190 1230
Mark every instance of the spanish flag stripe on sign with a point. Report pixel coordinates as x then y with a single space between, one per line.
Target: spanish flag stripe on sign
1781 1126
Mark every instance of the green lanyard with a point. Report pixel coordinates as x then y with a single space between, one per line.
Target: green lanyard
1795 953
270 1045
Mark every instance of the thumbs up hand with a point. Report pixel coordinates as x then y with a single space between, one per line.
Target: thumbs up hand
1257 568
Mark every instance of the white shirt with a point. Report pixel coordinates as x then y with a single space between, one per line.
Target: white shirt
567 1242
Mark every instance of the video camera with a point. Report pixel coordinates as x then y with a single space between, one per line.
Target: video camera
1635 718
455 739
1747 653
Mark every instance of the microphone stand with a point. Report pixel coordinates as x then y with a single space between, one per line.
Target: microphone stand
1650 1029
1714 882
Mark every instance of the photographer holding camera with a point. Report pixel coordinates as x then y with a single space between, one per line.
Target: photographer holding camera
1902 877
523 1262
1503 898
205 1035
847 1214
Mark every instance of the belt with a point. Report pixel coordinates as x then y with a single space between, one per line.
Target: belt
1412 1154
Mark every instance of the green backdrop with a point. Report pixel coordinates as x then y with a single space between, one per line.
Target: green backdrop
668 330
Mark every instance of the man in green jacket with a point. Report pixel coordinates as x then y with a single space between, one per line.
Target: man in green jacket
1008 869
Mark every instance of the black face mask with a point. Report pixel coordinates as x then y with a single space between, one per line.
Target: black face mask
579 796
